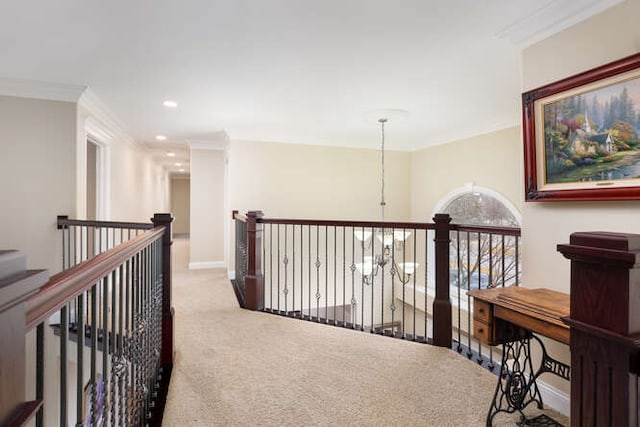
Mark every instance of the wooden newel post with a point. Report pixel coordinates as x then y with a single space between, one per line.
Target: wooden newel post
254 280
164 220
605 323
442 303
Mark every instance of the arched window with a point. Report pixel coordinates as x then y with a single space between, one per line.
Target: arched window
481 260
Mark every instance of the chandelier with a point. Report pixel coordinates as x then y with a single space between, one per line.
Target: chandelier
391 241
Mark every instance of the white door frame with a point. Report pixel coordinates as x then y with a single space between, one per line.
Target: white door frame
96 133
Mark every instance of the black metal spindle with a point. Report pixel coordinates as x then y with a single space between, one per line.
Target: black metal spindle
479 261
362 282
80 343
317 273
459 284
271 267
393 291
64 333
373 265
94 350
517 261
415 334
335 275
426 284
112 347
278 267
468 280
344 275
404 288
382 277
301 271
105 347
503 272
309 264
293 269
353 278
326 274
40 372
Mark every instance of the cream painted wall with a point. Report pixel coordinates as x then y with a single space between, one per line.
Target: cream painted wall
581 47
610 35
489 160
37 169
137 184
207 208
180 202
316 182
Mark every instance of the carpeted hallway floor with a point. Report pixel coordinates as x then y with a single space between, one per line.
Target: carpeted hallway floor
234 367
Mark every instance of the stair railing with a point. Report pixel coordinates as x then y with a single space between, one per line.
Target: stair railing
115 354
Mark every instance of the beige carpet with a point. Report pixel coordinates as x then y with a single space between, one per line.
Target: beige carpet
235 367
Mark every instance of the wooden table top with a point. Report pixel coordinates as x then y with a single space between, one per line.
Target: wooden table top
539 310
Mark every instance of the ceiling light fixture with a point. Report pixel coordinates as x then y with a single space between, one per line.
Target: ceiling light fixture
161 138
393 241
170 104
178 164
171 154
181 170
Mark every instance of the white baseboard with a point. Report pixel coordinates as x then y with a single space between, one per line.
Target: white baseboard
231 274
554 398
206 264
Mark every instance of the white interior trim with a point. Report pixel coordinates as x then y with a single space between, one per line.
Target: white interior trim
98 134
206 264
23 88
555 398
470 187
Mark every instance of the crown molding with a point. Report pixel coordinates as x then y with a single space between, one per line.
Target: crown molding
23 88
100 113
551 18
219 145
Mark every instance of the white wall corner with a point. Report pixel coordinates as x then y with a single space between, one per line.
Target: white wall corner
231 274
23 88
207 264
219 141
554 398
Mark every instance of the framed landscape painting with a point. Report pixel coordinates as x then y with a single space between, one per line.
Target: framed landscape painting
582 135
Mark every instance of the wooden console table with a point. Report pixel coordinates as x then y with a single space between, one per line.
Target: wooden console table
509 316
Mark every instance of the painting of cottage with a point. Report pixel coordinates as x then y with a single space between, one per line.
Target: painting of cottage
593 136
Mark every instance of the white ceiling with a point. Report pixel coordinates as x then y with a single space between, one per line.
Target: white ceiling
299 71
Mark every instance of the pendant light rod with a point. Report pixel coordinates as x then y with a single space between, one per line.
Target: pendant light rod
382 122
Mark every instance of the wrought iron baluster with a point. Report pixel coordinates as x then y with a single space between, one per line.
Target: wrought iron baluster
415 241
278 266
468 280
480 358
353 278
105 348
326 274
80 343
40 372
293 269
458 282
271 267
317 273
335 275
426 284
93 413
362 283
64 335
404 288
344 275
393 307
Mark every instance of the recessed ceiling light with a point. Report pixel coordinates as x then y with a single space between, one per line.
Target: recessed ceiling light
170 104
178 164
181 170
161 137
171 154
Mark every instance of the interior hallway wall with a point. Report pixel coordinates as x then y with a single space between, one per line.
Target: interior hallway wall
207 208
180 204
37 169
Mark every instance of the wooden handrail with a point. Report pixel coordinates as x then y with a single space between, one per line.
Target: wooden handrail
65 221
338 223
64 286
508 231
489 229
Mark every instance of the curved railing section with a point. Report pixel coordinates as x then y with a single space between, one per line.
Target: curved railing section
400 279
